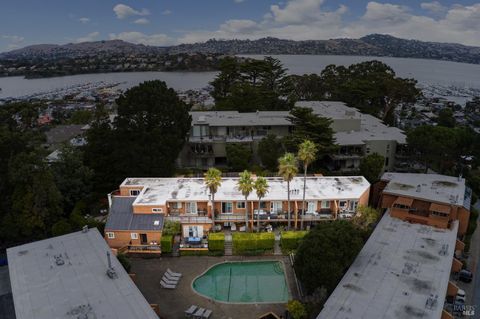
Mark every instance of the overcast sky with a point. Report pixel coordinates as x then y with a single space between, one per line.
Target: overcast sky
167 22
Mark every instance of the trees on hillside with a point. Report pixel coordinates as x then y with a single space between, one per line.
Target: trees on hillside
335 246
270 148
145 138
371 86
371 166
309 126
239 156
251 85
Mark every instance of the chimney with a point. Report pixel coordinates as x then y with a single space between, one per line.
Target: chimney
111 273
85 229
109 200
460 177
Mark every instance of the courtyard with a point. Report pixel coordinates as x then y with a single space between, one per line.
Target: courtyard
173 303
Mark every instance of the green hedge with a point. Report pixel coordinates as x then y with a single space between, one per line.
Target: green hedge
216 242
194 253
291 239
166 244
252 243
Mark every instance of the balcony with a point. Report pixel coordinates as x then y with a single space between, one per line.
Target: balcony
229 217
143 249
189 219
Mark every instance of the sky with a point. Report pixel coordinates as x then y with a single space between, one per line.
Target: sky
170 22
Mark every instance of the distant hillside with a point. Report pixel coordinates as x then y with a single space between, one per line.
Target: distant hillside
84 49
371 45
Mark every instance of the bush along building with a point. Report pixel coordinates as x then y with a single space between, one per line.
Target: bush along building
141 206
356 134
404 270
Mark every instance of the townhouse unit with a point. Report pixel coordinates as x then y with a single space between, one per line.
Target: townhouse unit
141 206
356 134
430 199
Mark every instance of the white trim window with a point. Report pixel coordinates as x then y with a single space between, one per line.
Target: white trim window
311 207
325 204
343 204
157 210
241 205
134 192
110 235
353 206
191 208
227 208
176 205
276 207
133 235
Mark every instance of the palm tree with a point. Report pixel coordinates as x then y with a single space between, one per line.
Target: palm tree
261 188
245 185
213 180
287 168
307 153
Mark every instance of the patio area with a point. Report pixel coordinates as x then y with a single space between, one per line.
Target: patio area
173 303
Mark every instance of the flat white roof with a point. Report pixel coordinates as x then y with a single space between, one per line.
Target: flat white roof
402 272
44 290
160 190
431 187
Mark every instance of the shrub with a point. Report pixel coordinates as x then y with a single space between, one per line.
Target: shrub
194 252
296 309
216 242
166 244
61 227
125 261
171 228
291 239
243 243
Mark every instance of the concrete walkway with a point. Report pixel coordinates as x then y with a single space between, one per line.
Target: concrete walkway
173 303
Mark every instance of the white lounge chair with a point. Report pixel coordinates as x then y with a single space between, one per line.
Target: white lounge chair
167 286
199 313
169 282
170 277
206 314
173 274
190 311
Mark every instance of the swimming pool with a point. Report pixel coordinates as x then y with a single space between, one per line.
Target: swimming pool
244 282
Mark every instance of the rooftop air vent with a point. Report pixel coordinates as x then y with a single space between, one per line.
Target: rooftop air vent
419 188
201 118
156 223
59 260
111 272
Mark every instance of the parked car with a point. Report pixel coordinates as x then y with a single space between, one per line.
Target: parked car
465 275
460 298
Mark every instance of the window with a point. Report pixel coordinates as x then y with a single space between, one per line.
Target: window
276 207
325 204
191 208
110 235
134 192
386 161
157 210
263 205
311 207
227 207
176 205
342 204
240 205
133 235
353 205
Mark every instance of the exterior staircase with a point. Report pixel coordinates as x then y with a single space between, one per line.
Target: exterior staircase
228 244
176 246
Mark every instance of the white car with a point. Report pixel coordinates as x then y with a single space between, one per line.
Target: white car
460 297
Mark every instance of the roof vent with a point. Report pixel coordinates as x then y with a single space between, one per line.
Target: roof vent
111 272
85 229
156 222
201 118
59 260
419 188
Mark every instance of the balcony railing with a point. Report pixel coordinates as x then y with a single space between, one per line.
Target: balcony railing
190 219
149 248
229 217
423 213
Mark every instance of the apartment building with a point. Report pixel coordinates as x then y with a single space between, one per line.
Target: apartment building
140 207
356 134
404 269
430 199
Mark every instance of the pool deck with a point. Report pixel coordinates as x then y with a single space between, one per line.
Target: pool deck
173 303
